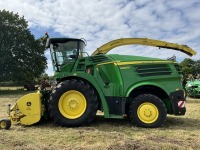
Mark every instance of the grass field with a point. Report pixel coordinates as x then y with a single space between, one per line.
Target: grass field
180 132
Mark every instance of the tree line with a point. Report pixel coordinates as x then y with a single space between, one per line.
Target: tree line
190 67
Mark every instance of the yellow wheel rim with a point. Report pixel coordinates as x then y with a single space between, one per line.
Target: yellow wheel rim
72 104
147 112
3 124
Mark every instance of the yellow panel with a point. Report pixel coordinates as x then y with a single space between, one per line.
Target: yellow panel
28 120
30 106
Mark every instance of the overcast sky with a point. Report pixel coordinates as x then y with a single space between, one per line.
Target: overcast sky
100 21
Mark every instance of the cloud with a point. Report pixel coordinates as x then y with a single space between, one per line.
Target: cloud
100 21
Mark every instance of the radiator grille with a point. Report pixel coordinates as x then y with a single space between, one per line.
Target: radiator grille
178 68
153 70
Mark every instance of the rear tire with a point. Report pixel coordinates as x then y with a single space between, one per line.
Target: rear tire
5 124
148 111
73 103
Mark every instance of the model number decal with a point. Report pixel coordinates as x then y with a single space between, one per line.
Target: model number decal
125 67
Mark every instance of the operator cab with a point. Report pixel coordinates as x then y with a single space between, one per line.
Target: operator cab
64 51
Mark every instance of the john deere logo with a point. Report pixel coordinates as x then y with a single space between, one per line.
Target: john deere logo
28 104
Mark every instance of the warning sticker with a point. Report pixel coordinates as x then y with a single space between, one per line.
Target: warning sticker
181 104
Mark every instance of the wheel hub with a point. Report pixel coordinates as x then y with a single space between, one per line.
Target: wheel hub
3 124
72 104
147 112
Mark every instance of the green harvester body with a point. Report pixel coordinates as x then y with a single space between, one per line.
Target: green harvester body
141 88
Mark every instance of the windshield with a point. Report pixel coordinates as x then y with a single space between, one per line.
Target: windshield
63 53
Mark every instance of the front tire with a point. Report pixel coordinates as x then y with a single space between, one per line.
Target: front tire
73 103
148 111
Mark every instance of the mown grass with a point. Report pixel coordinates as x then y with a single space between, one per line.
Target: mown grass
179 132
